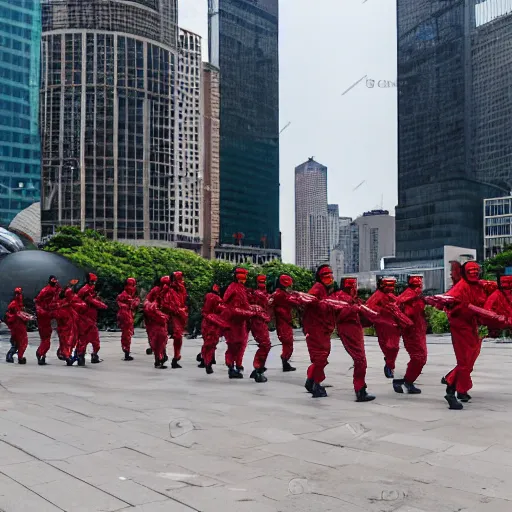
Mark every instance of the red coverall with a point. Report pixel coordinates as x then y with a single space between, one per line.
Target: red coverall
44 317
157 329
88 323
16 319
259 327
388 336
351 334
153 295
211 331
415 336
318 323
67 313
128 302
236 314
284 303
499 303
464 329
179 316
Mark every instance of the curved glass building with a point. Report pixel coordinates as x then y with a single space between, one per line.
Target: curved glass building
107 116
20 33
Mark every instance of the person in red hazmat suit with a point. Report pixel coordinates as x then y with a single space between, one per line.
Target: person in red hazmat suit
319 321
258 326
500 300
88 323
412 304
237 313
283 301
43 303
455 272
178 317
153 294
67 310
128 302
383 301
489 288
465 303
350 331
16 319
157 325
212 326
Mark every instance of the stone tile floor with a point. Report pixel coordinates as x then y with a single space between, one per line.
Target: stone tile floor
124 436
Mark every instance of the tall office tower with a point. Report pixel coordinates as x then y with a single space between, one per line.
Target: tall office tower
454 138
333 212
211 178
186 194
20 159
244 46
346 243
311 217
108 117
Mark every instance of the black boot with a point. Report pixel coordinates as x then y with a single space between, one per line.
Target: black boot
41 360
127 356
22 360
258 375
201 364
411 388
388 372
214 361
318 391
233 373
175 364
166 358
95 358
149 351
287 367
443 381
199 358
81 360
397 385
309 385
160 364
452 400
363 396
70 361
9 357
209 369
60 357
464 397
240 369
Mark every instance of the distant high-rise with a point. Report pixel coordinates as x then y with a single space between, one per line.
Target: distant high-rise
20 158
333 211
186 188
108 122
244 46
454 134
211 179
311 217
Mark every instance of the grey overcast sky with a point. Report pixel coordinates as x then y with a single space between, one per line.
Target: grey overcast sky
325 47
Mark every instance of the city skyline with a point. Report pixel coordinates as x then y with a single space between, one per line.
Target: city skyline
352 134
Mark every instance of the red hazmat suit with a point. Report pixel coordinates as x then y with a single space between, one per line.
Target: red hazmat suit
43 303
17 319
497 302
236 314
318 323
388 335
258 324
152 296
178 317
128 302
351 334
157 330
88 323
464 328
211 326
415 337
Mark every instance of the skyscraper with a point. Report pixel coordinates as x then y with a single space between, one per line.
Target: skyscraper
244 46
108 117
20 163
454 138
186 194
311 217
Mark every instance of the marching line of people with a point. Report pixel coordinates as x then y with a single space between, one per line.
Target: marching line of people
241 311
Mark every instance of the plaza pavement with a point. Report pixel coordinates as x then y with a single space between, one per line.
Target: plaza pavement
124 436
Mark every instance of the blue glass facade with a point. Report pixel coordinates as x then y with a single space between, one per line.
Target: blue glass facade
20 40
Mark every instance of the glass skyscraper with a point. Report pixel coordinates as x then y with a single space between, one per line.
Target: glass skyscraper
454 132
244 46
20 171
108 117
